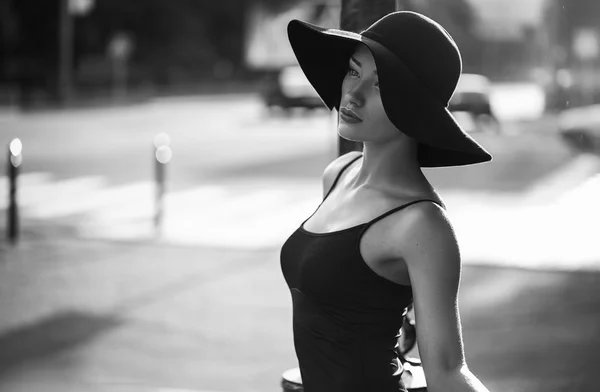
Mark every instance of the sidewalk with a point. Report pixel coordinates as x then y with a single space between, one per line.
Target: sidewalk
83 315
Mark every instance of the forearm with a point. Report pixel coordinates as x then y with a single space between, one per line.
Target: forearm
460 380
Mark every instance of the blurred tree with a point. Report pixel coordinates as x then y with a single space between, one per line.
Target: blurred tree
8 39
169 37
34 50
180 39
183 40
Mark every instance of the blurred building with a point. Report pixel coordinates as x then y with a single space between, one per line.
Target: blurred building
266 46
495 38
509 33
183 44
571 40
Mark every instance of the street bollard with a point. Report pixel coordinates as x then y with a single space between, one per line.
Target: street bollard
291 381
15 158
162 156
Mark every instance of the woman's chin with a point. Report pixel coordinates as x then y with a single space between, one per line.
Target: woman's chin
349 132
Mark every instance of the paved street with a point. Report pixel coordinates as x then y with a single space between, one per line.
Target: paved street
556 225
94 299
246 180
106 316
209 136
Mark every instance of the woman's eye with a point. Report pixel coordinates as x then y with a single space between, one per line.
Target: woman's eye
352 72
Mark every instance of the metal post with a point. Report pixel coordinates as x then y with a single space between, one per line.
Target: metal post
162 156
14 161
65 45
160 192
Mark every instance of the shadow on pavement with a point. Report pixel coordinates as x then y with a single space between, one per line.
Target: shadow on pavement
52 335
531 330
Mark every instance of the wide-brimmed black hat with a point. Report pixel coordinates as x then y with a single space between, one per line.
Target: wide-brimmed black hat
418 64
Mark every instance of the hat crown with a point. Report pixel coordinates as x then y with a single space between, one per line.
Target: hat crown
424 46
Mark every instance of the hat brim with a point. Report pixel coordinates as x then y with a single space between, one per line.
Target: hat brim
323 55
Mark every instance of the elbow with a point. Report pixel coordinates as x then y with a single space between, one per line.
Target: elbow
446 378
459 379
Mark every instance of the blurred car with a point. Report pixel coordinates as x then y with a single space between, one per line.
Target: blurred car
580 127
471 104
288 88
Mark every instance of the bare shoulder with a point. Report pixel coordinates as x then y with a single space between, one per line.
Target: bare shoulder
334 167
425 237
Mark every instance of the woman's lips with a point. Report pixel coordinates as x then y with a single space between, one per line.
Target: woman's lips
349 116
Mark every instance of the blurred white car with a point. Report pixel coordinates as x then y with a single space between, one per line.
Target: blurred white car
580 127
289 88
470 104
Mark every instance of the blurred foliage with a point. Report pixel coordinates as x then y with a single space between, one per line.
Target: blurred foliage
165 34
31 45
182 41
173 40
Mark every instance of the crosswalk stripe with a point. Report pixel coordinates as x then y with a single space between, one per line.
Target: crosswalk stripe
242 216
558 231
24 181
56 199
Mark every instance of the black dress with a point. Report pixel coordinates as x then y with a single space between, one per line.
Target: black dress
346 318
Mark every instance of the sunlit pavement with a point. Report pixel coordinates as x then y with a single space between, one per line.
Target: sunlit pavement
205 307
239 178
552 224
115 316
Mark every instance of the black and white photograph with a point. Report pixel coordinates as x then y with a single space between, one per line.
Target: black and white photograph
299 195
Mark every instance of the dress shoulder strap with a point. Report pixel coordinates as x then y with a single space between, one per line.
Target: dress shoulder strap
403 206
340 174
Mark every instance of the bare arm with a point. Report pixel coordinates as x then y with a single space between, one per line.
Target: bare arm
428 245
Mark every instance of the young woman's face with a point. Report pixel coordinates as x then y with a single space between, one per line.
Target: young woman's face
361 116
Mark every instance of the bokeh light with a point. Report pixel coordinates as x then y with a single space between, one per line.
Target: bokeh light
16 160
16 147
162 139
163 154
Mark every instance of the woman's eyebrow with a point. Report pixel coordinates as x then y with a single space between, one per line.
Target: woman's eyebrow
359 64
356 61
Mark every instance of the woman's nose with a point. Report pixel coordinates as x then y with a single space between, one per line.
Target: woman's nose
356 94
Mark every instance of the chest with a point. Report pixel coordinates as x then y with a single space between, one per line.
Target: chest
372 244
330 268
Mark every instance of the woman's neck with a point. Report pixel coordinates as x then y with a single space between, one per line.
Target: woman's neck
391 165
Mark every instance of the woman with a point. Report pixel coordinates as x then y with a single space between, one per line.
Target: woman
380 240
